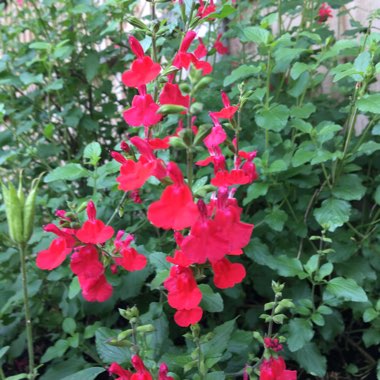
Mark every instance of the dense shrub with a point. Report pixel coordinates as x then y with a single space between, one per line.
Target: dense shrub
297 94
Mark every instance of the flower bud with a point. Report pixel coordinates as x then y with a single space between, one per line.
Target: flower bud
167 109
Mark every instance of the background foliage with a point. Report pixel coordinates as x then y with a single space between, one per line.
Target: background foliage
316 206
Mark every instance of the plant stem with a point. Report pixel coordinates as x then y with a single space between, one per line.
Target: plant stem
124 197
28 320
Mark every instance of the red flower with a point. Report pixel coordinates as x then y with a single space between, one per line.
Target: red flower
275 369
201 50
179 259
228 111
131 260
163 372
85 262
183 292
227 274
185 318
171 94
142 372
95 288
235 177
175 209
143 110
183 59
273 344
116 369
219 47
204 11
143 69
55 255
216 137
157 143
94 231
324 12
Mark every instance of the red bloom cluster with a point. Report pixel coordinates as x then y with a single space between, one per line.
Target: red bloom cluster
86 243
219 47
141 372
275 369
325 11
273 344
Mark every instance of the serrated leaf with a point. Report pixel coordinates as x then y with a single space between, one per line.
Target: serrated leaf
256 34
298 69
349 187
74 288
69 325
226 10
109 353
346 289
274 118
91 66
211 302
93 152
310 358
256 190
242 72
370 314
368 148
276 219
332 214
301 156
69 172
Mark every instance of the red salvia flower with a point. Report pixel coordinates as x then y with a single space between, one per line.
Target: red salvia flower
95 288
55 255
273 344
324 12
219 47
85 262
94 231
179 258
234 177
116 369
227 274
228 111
143 110
157 143
163 372
142 372
201 50
205 10
175 209
275 369
131 260
185 318
183 59
171 94
143 69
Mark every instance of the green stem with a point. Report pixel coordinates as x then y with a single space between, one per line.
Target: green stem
124 197
267 96
28 320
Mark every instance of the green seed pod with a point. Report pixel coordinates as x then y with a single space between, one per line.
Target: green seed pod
177 142
13 212
20 192
137 23
167 109
29 211
204 82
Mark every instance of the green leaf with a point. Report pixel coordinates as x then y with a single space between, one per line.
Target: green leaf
318 319
377 195
93 152
302 125
86 374
369 103
346 289
256 190
40 45
215 376
211 302
310 358
324 271
312 264
69 172
333 213
242 72
69 325
109 353
274 118
298 69
28 78
55 351
3 351
301 156
219 343
302 112
368 148
74 288
349 187
326 131
256 34
300 332
91 66
370 314
276 219
361 64
226 10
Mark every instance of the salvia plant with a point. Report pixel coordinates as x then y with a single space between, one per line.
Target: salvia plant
209 204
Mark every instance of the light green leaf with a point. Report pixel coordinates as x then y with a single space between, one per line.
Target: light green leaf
369 103
256 190
55 351
274 118
302 156
40 45
69 325
368 148
256 34
377 195
346 289
332 214
242 72
93 152
302 112
69 172
109 353
298 69
370 314
226 10
276 219
3 351
74 288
